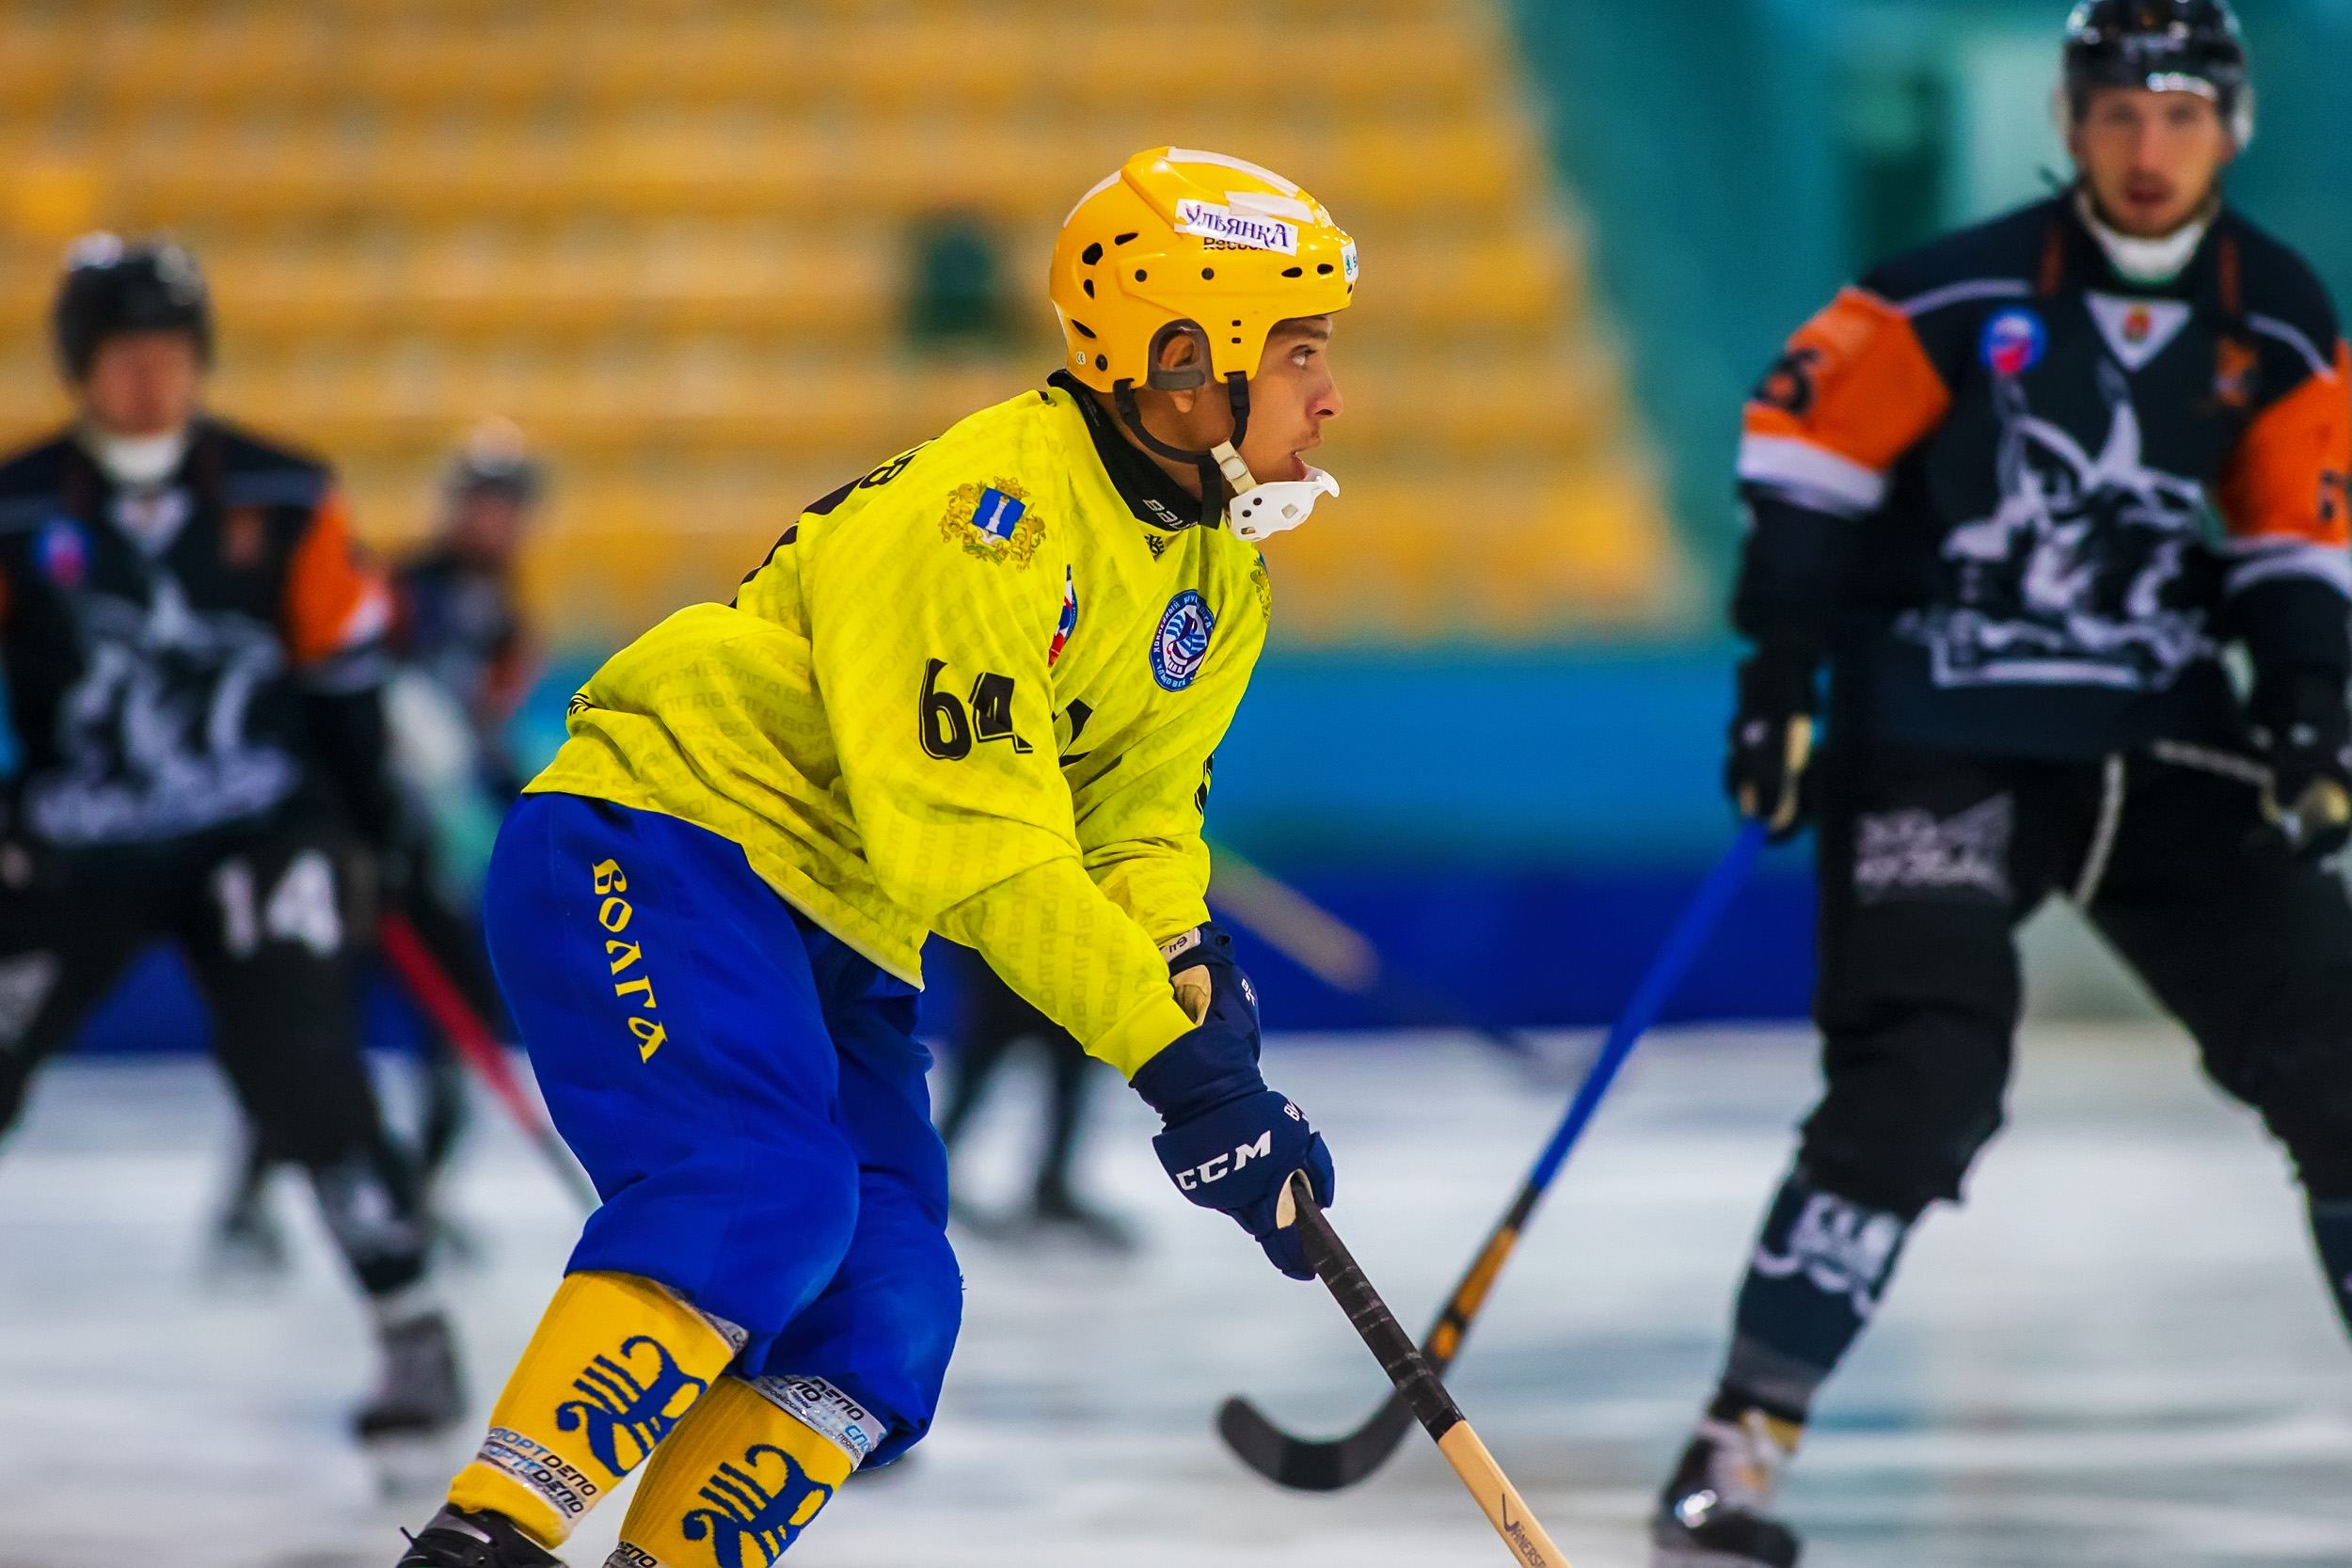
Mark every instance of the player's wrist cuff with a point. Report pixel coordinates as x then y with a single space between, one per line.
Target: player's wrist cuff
1197 1073
1206 943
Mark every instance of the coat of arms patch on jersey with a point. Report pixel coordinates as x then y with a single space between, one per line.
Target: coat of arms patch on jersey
993 522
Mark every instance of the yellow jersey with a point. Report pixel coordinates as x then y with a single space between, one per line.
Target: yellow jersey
976 691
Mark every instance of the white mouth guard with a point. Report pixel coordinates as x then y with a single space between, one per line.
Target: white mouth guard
1281 506
1259 510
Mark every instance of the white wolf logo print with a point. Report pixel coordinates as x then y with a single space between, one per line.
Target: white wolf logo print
2066 581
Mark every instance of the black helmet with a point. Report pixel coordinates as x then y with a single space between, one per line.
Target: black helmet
111 288
2167 45
495 462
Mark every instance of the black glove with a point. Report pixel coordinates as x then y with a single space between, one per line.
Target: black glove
1771 741
2305 730
1229 1141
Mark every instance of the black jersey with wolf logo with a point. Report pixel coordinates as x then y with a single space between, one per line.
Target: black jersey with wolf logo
2024 503
189 655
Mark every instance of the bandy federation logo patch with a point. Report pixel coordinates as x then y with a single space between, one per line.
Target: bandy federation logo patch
993 522
2015 341
1249 230
1180 645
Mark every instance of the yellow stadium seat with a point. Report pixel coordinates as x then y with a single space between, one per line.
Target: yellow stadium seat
671 238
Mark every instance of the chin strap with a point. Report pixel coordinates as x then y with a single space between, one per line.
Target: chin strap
1257 510
1206 463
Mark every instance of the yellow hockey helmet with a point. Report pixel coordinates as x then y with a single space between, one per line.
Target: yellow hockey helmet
1193 243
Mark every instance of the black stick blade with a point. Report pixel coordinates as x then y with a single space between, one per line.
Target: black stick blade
1308 1465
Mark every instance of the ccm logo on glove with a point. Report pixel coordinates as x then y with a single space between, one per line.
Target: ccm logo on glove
1224 1165
1236 1157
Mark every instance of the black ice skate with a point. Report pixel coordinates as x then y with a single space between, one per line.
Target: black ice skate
456 1539
1717 1511
421 1391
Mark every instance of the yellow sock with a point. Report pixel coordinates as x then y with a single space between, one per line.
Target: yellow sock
616 1362
743 1476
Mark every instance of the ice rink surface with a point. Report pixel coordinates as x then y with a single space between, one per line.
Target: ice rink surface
2118 1353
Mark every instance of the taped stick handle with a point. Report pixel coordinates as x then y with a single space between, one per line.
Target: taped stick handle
1373 1320
429 984
1413 1379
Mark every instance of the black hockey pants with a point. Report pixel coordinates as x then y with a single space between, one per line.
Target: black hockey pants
266 920
1930 861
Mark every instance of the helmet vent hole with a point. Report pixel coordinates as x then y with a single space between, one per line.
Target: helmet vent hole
1084 330
1237 343
1141 275
1122 239
1102 361
1293 272
1323 269
1208 272
1090 288
1092 253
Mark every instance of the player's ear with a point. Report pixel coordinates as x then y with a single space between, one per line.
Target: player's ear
1179 352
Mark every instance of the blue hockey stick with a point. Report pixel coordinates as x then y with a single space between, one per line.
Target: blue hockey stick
1310 1464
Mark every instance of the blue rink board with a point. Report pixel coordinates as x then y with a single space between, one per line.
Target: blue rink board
1515 833
1527 951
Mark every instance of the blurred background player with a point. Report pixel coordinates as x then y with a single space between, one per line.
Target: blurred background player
461 620
1977 484
976 691
467 657
991 1023
194 659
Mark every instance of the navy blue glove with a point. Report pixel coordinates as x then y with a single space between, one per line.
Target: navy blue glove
1235 1158
1229 1141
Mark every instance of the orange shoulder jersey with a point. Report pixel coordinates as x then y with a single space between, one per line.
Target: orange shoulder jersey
974 692
189 654
2024 502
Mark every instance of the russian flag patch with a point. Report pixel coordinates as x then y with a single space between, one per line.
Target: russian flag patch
1069 616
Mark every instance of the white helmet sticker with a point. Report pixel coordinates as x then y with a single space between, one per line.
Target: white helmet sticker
1212 222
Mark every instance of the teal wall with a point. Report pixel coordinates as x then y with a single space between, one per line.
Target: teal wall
1736 160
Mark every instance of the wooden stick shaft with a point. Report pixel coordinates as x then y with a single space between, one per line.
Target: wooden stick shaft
1501 1501
1412 1378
